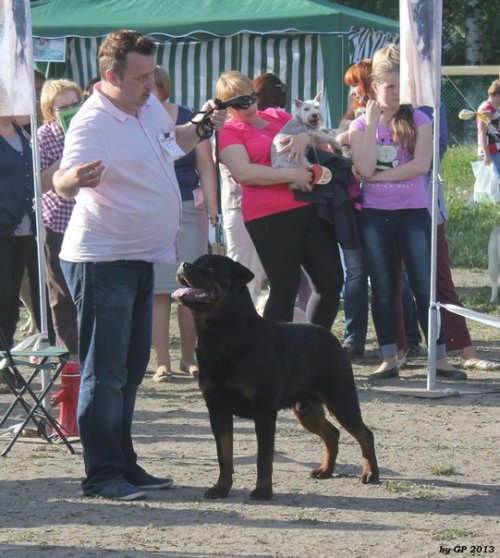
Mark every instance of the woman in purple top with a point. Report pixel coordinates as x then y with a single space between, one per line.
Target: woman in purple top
392 150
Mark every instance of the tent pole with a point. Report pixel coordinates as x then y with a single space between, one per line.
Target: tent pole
43 340
433 332
434 322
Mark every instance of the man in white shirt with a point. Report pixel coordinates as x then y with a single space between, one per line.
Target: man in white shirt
118 162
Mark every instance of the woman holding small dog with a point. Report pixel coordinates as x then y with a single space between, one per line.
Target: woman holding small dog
395 219
286 233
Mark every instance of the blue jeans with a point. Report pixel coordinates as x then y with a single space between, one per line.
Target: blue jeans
114 302
495 161
355 297
412 333
385 235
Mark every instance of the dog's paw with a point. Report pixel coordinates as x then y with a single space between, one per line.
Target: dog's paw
217 492
261 494
370 477
321 473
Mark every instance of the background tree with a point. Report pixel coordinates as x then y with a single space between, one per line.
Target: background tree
471 28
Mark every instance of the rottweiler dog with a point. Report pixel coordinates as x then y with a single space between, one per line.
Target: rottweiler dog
252 367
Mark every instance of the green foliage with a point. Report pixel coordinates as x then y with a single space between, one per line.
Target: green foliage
453 533
455 37
441 470
469 225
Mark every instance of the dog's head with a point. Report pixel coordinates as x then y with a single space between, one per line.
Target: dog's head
210 283
309 112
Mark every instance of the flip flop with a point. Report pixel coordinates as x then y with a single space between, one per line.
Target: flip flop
479 364
162 375
191 369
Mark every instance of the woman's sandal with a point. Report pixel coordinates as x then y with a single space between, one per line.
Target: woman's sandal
162 374
191 369
479 364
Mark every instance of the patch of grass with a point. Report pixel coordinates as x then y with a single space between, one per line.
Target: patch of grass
450 534
457 171
469 226
425 495
412 490
25 536
442 470
41 456
397 487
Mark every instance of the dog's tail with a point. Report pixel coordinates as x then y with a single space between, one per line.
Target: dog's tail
494 262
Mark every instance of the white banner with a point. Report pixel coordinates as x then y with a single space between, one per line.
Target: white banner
420 23
485 319
16 58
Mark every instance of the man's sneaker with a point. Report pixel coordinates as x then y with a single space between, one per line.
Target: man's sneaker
117 490
451 374
353 349
145 481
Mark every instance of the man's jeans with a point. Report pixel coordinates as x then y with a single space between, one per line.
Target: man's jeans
385 234
114 302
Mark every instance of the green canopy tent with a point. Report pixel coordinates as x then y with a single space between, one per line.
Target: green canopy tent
308 43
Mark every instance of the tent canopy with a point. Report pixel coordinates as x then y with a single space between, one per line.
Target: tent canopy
308 43
181 18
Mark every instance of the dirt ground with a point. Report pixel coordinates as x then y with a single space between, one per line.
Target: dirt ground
439 492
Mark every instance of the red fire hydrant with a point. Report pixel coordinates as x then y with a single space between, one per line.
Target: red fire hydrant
67 396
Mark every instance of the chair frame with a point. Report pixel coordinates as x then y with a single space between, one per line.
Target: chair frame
49 358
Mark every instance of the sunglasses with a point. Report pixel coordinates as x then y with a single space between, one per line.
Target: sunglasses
63 108
281 86
242 102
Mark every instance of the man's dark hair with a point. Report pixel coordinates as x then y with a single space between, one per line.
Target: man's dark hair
113 52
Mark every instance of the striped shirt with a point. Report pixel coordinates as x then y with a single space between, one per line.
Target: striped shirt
56 211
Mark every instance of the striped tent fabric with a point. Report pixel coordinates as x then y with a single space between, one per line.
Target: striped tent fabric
194 66
364 42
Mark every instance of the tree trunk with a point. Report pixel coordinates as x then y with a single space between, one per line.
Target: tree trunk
473 55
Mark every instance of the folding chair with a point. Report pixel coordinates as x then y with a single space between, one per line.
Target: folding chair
52 359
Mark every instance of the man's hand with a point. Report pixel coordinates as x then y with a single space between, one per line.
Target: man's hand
88 175
218 117
84 175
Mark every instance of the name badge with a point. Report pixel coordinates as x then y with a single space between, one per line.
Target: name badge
170 147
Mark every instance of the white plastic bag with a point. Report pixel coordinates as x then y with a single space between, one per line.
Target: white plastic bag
486 186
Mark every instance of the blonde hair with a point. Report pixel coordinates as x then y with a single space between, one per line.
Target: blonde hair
231 84
51 89
402 124
389 52
163 83
494 88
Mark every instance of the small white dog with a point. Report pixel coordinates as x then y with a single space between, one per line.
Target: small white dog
494 262
308 118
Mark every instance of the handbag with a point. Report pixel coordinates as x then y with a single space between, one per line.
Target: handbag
486 185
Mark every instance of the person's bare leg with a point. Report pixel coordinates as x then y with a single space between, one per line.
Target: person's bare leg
187 332
161 336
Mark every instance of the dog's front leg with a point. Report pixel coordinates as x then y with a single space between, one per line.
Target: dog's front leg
265 428
222 427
